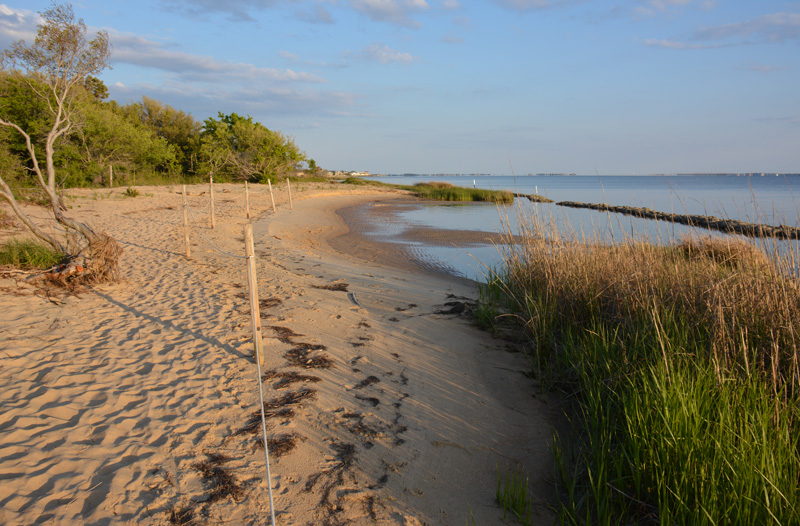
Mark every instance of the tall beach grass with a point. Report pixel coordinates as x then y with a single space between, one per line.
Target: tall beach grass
682 365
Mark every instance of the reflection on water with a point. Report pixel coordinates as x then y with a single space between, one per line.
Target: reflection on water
744 198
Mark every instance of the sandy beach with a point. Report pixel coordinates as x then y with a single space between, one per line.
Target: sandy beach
133 403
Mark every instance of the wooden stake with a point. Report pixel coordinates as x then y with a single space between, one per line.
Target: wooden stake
271 196
252 287
246 200
289 186
186 224
211 194
110 176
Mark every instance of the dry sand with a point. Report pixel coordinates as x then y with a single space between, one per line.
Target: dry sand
130 404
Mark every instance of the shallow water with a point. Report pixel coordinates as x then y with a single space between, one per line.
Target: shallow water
772 200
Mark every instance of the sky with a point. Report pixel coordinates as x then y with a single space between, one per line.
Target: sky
480 86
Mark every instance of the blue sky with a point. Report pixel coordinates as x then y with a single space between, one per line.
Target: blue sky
492 86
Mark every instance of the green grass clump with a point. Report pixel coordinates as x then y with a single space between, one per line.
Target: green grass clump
685 366
131 192
513 496
27 254
440 191
457 193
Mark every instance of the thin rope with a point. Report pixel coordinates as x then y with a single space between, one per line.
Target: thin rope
264 428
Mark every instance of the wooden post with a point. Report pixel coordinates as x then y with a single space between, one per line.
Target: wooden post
289 186
110 176
186 224
252 286
271 196
211 194
246 200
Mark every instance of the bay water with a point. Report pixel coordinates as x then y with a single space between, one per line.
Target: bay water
771 199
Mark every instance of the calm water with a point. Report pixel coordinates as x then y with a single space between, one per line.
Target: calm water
769 199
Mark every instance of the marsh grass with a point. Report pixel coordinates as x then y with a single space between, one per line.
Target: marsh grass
28 254
440 191
513 496
682 361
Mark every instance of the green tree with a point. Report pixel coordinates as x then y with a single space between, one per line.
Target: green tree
108 137
240 148
176 127
55 66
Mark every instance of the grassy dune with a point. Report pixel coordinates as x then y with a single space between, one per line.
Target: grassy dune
683 363
439 191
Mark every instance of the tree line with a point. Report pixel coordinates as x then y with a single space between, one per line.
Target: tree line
146 141
57 129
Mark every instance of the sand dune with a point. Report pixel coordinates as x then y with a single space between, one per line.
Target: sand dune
134 403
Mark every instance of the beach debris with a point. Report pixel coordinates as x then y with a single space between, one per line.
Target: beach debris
285 334
339 286
331 502
279 445
221 483
181 516
287 378
301 356
454 307
352 297
366 382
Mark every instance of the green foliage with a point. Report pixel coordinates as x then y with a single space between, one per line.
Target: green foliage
513 496
176 127
109 137
686 396
27 254
236 147
462 194
440 191
131 192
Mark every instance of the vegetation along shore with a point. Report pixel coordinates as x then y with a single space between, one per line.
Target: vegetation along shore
145 257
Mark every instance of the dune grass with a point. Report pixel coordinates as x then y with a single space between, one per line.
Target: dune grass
27 254
682 362
440 191
513 496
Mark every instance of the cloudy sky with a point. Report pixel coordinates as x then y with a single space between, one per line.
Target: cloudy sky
392 86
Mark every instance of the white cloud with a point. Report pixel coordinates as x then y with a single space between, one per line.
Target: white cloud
526 5
770 28
392 11
385 55
763 68
675 44
774 27
651 7
317 14
139 51
203 100
17 24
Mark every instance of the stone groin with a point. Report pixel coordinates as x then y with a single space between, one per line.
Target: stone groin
536 198
730 226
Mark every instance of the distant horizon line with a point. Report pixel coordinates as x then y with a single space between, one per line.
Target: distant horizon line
572 174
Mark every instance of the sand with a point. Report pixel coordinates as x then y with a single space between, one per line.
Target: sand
132 403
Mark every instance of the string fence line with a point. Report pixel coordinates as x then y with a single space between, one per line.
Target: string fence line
198 234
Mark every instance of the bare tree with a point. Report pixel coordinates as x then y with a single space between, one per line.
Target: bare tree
55 66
